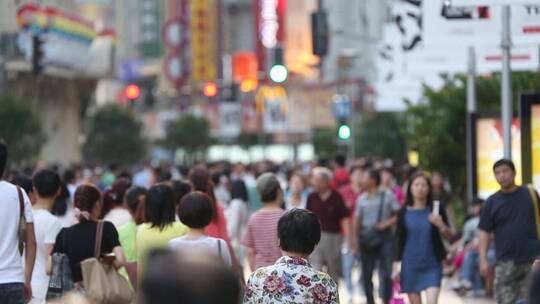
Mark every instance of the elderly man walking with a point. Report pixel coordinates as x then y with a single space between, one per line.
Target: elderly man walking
331 210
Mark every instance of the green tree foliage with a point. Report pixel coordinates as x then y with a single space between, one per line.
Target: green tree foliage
324 142
114 137
437 128
190 133
20 128
380 134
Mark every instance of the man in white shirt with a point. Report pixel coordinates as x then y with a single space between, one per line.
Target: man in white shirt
46 188
14 281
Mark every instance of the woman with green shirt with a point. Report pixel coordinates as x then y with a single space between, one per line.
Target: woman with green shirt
160 226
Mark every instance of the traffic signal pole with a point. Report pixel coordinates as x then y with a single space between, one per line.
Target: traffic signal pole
506 83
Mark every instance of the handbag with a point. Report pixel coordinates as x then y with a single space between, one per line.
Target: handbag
534 200
372 239
397 298
103 284
21 232
61 281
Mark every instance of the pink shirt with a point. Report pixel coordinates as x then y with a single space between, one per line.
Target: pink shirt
261 235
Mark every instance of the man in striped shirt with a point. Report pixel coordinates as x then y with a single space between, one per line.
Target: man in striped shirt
261 237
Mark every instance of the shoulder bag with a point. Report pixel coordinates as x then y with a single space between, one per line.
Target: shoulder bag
101 281
534 200
372 239
22 222
61 281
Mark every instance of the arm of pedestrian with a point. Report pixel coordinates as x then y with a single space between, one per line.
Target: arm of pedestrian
30 258
120 259
251 258
396 270
483 248
48 267
387 224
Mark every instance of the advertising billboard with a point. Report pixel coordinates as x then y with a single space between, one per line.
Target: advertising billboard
489 149
530 131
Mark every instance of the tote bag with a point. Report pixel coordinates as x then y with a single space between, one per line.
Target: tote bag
101 281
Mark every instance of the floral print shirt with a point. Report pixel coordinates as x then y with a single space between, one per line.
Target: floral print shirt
290 280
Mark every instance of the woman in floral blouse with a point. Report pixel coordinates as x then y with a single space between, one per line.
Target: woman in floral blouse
292 279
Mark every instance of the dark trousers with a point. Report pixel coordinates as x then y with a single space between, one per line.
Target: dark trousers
12 293
383 259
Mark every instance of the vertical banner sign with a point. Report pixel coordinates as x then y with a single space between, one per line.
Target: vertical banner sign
176 38
204 39
149 27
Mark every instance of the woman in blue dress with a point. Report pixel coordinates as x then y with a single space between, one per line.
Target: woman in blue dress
420 247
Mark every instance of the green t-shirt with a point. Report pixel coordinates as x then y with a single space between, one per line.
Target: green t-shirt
127 234
152 238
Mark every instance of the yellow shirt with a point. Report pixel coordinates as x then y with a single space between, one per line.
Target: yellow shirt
153 238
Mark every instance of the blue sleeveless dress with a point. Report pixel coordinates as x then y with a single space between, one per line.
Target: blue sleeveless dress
420 268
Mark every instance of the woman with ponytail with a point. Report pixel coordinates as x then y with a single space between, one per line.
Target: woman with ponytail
78 241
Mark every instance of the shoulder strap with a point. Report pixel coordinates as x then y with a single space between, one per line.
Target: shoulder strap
219 248
381 204
534 200
21 201
99 237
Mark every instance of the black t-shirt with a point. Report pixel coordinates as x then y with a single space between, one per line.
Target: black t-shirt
510 216
78 242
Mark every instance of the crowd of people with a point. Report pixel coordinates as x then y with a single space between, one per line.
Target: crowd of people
296 231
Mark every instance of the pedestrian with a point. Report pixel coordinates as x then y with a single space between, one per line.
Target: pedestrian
47 226
15 282
161 225
174 278
375 217
509 215
261 237
25 183
420 249
469 276
340 174
296 197
329 206
180 189
200 181
113 198
292 279
134 199
195 211
237 214
78 241
388 182
350 194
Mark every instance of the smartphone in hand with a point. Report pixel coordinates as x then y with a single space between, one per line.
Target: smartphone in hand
436 207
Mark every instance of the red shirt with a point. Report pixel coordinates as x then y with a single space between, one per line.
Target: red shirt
218 227
330 212
350 197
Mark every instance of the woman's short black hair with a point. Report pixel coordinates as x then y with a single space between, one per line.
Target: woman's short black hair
299 231
239 190
195 210
159 207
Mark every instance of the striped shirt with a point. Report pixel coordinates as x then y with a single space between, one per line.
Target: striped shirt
261 235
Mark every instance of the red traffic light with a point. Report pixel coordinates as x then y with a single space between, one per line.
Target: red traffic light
210 89
133 91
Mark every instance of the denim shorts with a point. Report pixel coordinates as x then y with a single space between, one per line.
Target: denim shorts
12 293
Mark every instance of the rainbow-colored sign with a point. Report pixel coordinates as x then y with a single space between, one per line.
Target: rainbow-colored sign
54 20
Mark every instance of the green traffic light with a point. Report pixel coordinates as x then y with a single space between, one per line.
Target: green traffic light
344 132
278 73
